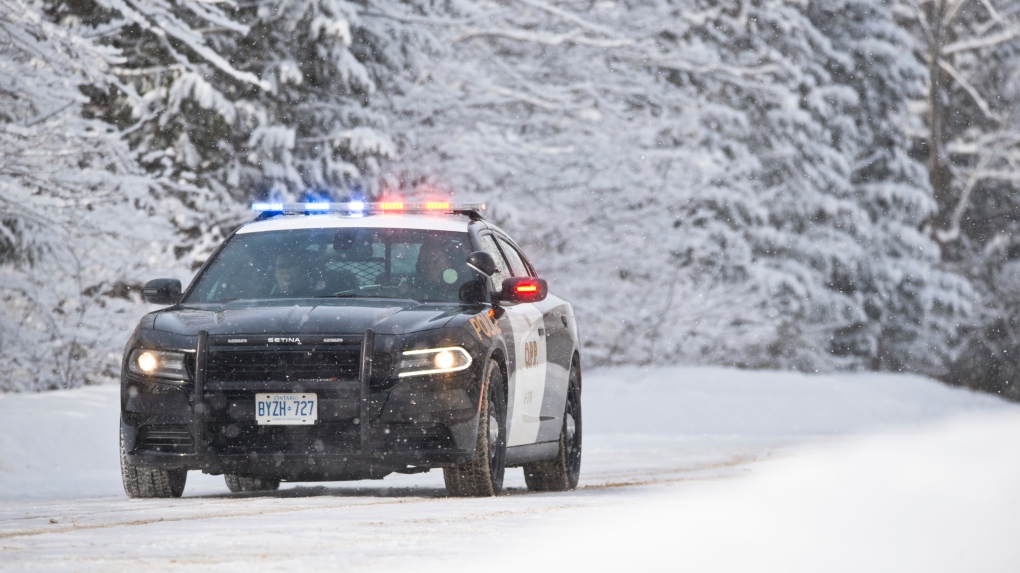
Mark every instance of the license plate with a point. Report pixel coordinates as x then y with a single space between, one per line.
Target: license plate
286 409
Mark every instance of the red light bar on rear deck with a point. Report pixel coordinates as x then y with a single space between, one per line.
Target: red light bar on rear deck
362 208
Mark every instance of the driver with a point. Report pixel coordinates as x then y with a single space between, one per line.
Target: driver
292 275
436 272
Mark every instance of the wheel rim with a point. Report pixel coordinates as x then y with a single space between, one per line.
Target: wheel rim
496 436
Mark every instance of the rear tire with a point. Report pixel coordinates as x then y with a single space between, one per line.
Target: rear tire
562 472
238 484
483 475
143 482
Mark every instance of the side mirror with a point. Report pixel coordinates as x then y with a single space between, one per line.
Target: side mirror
482 262
162 291
524 289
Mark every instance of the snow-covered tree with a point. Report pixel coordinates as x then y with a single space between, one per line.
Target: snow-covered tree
912 306
164 118
971 141
249 99
230 101
710 181
714 181
74 210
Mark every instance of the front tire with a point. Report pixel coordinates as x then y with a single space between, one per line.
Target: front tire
143 482
562 472
238 484
483 475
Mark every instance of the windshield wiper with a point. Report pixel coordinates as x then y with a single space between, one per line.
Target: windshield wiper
355 295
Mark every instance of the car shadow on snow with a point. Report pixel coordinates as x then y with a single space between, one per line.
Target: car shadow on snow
302 491
327 491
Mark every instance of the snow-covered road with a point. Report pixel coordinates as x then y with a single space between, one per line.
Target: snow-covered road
702 469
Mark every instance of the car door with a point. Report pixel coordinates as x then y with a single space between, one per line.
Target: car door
556 347
523 329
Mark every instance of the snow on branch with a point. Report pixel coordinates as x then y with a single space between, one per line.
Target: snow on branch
971 90
571 17
203 93
711 68
996 39
209 11
572 37
158 18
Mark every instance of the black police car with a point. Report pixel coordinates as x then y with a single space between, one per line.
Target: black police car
345 341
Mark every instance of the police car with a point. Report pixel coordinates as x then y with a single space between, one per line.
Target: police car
347 341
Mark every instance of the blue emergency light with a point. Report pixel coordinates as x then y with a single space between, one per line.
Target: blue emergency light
363 208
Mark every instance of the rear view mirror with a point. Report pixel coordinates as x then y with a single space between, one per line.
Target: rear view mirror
482 262
524 289
354 244
162 291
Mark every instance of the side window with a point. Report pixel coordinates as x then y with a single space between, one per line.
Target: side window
514 257
489 245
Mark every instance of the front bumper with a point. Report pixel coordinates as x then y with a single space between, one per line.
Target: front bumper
418 422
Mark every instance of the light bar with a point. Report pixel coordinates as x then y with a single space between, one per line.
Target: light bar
360 207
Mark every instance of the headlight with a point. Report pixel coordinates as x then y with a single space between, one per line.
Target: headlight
433 361
158 363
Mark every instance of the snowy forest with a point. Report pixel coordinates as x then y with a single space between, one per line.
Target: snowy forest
815 185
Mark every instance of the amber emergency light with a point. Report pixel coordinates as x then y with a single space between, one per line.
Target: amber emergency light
356 208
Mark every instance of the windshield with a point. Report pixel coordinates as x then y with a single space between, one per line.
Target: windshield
348 262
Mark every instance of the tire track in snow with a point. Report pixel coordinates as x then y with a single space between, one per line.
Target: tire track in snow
224 515
366 497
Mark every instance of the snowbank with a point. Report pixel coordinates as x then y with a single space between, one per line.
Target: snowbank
719 402
60 444
939 499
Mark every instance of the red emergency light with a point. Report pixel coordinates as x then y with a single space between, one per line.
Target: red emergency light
524 289
358 208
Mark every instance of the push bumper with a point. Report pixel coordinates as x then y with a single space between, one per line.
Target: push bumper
417 423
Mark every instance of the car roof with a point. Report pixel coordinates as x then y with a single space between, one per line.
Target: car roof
455 223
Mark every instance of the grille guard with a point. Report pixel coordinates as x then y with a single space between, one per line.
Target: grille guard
200 409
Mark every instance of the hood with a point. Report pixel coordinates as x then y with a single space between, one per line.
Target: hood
307 316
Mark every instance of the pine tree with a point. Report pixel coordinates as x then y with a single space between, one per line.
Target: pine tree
694 175
237 101
167 122
912 306
75 224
